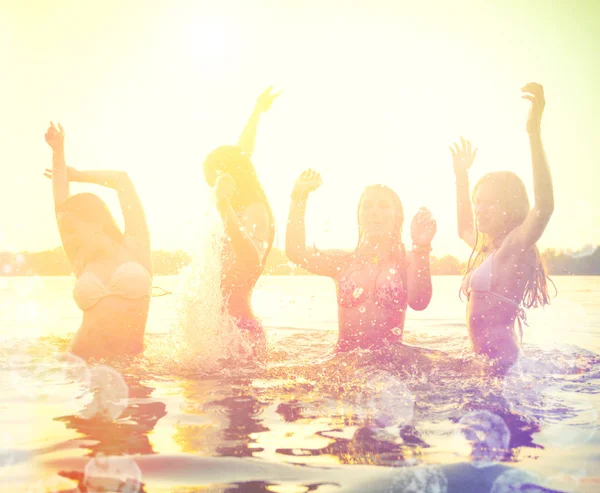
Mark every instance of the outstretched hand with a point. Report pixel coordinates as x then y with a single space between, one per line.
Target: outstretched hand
534 92
265 100
55 137
308 181
423 227
462 156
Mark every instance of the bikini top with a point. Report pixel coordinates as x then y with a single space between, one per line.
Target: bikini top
480 280
130 281
392 294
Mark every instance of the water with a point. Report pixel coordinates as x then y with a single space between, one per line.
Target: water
305 419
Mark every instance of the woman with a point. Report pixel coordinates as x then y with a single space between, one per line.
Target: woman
112 269
505 272
378 280
247 217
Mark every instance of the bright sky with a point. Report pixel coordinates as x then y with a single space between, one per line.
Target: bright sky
373 93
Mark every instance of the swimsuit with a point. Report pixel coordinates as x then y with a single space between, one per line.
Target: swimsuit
480 280
130 281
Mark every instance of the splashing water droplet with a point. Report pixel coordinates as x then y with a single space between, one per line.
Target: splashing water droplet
483 436
357 292
392 271
112 473
60 377
526 385
397 331
388 400
109 394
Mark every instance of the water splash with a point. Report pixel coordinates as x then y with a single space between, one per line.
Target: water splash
205 336
484 437
109 394
59 377
388 400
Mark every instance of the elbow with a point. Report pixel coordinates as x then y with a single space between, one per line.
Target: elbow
123 177
545 209
120 181
419 300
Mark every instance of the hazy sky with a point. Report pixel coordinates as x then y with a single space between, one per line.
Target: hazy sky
373 93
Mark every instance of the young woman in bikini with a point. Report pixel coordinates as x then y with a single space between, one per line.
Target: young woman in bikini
505 273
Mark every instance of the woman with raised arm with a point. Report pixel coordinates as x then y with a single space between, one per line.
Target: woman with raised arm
505 273
113 269
376 282
247 217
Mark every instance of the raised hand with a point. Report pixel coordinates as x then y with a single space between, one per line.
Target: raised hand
72 174
462 156
224 187
534 92
265 100
423 227
55 137
307 182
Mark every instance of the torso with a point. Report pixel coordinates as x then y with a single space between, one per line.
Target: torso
115 308
372 302
236 284
491 314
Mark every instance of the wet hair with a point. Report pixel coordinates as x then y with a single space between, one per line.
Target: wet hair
398 249
248 189
398 252
91 208
511 196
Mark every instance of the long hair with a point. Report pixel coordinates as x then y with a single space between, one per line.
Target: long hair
511 197
91 208
248 189
398 249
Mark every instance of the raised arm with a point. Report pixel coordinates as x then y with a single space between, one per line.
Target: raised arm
529 232
55 137
321 263
423 229
137 234
136 227
248 136
462 159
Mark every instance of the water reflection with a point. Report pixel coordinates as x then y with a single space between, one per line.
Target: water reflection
243 412
129 434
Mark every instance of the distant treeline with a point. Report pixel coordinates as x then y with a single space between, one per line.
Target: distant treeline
54 263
